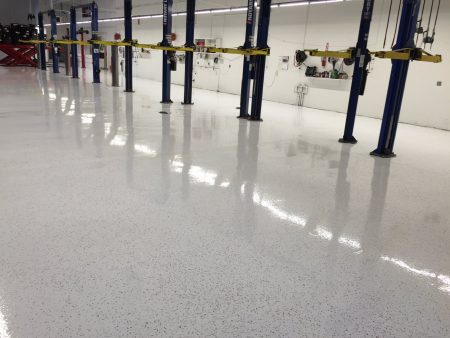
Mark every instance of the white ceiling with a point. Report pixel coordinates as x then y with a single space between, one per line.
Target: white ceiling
114 8
146 6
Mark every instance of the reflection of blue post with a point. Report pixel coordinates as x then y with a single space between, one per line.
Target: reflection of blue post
189 61
128 49
167 41
43 62
73 37
95 48
263 35
54 31
399 73
246 78
362 58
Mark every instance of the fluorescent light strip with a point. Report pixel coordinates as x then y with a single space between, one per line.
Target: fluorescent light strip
210 11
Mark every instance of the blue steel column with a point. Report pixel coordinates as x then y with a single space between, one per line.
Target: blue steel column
189 61
362 58
167 41
95 48
54 31
399 73
248 60
263 35
73 37
128 7
42 61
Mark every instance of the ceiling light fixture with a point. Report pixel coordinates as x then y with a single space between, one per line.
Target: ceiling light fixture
212 11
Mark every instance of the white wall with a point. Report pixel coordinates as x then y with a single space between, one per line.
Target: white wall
425 103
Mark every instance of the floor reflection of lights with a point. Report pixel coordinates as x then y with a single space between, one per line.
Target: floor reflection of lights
4 330
208 177
121 141
442 280
201 175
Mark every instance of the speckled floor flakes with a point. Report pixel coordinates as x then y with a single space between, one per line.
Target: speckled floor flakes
118 221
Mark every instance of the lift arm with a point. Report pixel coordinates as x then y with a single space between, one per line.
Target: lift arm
412 54
235 51
331 54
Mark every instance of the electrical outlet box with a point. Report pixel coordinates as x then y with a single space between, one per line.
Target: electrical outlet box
284 62
181 58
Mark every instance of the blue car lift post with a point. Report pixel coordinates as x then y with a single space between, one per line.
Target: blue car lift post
128 49
260 68
95 48
189 61
54 32
362 58
248 60
42 60
54 36
405 39
167 55
73 37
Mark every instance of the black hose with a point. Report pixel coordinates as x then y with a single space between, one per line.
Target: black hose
437 16
420 31
387 26
435 22
431 14
396 23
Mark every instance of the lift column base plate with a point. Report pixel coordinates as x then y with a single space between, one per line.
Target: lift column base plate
352 140
376 153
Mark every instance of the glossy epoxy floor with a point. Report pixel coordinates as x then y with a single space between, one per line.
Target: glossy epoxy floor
118 221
